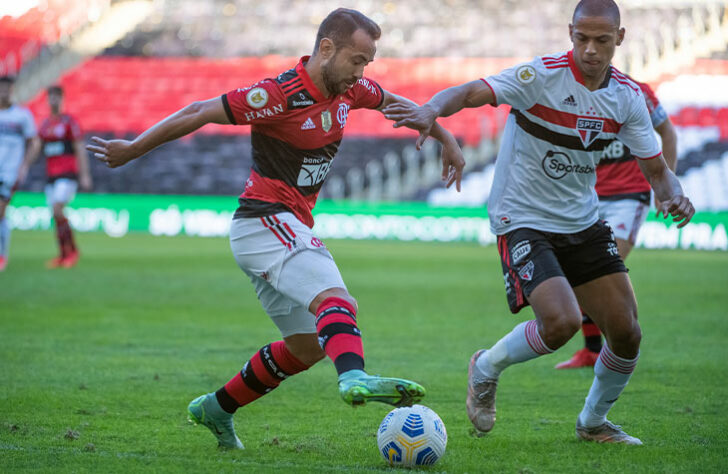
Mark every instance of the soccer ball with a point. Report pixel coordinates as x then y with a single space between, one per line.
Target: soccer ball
412 436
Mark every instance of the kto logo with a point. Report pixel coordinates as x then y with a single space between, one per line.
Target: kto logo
613 151
556 165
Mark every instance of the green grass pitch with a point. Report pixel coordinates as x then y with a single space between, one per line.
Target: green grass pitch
98 363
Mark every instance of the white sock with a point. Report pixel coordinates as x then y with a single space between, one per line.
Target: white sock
611 374
4 237
522 344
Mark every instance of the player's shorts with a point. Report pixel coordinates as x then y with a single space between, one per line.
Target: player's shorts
529 257
288 265
62 190
8 177
625 217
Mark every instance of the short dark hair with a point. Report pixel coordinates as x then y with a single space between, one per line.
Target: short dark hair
597 8
341 23
55 89
7 80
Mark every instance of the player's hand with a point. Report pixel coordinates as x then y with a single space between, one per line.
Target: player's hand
679 207
453 163
411 116
22 174
113 153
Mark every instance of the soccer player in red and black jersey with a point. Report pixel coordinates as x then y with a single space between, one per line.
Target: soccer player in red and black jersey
624 200
297 120
66 168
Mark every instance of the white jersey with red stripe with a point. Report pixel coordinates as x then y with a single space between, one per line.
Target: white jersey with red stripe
553 139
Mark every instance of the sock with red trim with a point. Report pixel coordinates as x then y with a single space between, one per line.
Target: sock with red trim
592 334
339 335
522 344
271 365
611 374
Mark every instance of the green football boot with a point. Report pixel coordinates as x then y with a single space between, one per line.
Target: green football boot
357 388
206 410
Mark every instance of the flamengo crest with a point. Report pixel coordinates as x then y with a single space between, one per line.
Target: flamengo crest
589 129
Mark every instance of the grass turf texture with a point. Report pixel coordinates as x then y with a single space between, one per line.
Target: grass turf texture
99 362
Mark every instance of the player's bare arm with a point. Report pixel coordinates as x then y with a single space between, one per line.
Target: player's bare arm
32 152
443 104
116 153
453 161
668 190
669 148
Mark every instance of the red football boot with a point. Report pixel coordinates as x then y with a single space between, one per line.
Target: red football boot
582 358
55 262
71 259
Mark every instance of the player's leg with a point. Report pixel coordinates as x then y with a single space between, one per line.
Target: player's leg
267 367
4 231
610 300
625 217
58 194
533 276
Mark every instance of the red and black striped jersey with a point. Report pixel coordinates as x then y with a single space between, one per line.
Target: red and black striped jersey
58 134
618 175
295 134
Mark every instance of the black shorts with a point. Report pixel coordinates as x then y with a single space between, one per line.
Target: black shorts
530 256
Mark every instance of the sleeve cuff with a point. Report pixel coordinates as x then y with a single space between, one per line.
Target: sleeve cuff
228 111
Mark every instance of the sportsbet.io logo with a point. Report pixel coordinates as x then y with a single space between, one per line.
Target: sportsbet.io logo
556 165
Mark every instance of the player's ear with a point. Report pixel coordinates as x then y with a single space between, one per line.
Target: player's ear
571 31
326 48
620 36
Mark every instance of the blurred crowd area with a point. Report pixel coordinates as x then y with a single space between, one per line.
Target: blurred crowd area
125 64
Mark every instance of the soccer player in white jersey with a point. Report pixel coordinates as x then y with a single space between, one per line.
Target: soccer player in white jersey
556 253
17 142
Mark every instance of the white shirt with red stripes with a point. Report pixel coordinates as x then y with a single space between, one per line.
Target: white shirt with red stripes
553 139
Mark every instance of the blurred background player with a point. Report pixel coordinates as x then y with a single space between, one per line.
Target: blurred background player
556 253
66 167
624 201
18 142
298 121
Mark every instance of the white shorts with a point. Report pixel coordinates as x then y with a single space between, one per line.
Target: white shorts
624 216
288 265
62 190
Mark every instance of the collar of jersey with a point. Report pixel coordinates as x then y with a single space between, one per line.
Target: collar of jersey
307 82
580 79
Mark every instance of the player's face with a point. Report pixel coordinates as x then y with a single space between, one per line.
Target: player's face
347 64
595 38
6 90
55 100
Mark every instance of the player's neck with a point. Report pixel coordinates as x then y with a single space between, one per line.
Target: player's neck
5 105
594 82
313 68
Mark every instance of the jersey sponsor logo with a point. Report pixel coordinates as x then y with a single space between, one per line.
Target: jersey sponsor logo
505 220
526 271
301 103
326 122
570 101
589 129
556 165
520 250
526 74
54 148
264 113
257 97
613 151
342 114
308 124
313 171
316 242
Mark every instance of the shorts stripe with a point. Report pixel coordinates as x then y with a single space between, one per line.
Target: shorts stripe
284 234
505 255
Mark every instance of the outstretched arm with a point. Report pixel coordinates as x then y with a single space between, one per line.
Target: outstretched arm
453 161
668 190
119 152
443 104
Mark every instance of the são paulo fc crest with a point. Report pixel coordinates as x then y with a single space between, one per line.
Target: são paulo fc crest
257 97
589 129
326 122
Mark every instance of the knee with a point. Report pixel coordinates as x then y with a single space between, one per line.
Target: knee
626 336
58 211
556 331
340 293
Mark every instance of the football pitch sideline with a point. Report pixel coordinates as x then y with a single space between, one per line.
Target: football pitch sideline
98 362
